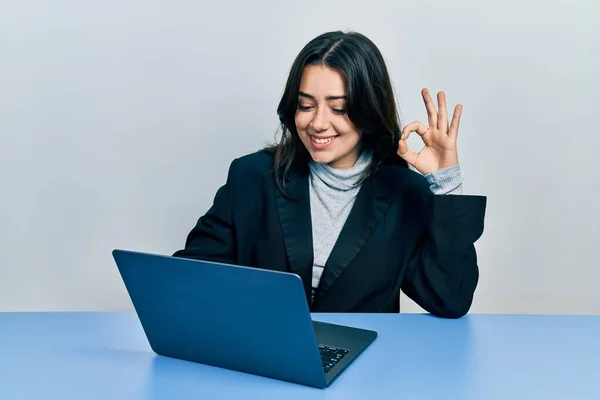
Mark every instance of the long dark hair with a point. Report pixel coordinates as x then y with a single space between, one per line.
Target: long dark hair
371 105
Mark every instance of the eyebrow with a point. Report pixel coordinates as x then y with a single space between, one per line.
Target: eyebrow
302 94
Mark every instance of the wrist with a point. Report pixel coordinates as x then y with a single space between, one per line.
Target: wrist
448 161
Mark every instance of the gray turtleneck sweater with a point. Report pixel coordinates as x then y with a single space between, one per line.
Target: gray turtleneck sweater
332 195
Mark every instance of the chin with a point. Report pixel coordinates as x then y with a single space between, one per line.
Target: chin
322 158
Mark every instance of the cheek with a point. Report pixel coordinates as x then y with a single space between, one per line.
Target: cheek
302 121
346 128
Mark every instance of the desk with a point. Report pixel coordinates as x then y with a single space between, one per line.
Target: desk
99 355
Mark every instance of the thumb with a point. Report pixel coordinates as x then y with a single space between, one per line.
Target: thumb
405 153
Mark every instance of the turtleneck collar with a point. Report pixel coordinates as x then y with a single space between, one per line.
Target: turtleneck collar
341 178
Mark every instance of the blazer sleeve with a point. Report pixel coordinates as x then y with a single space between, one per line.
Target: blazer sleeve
442 273
212 238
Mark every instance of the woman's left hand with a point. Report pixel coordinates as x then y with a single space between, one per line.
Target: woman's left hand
440 149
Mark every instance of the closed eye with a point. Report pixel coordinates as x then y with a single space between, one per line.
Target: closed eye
339 111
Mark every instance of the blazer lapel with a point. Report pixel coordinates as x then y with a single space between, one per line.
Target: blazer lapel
296 226
368 210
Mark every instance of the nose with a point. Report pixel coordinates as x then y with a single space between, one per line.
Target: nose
320 123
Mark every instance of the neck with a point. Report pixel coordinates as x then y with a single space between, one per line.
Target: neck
342 178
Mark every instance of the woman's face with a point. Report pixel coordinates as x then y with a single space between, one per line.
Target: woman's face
321 119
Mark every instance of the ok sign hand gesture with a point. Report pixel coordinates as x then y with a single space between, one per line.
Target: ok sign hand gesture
440 149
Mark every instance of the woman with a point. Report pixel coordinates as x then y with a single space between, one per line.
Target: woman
335 201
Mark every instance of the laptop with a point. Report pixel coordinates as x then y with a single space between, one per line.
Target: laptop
240 318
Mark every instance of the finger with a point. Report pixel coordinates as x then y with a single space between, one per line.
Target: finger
416 126
454 125
406 154
442 122
432 114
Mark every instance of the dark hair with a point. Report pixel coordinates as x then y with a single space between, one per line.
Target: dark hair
370 103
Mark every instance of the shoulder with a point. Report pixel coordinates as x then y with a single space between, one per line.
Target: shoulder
403 180
257 163
247 172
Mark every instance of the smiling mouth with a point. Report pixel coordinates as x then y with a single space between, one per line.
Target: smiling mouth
322 140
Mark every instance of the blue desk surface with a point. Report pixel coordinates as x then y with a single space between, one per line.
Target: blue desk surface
106 356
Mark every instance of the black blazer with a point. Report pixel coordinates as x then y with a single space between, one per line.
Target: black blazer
398 236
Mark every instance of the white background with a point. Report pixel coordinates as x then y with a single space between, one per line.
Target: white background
118 121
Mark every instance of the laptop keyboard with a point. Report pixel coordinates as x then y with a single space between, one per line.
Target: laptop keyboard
330 356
